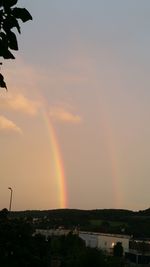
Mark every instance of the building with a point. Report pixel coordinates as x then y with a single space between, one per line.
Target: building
139 252
105 242
52 232
90 239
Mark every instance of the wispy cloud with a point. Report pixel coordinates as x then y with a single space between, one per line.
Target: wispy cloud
8 125
18 102
63 115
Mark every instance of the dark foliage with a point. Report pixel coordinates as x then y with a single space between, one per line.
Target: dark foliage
9 21
118 250
107 220
20 247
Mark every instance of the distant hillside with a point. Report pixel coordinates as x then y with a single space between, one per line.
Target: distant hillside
111 214
99 220
144 212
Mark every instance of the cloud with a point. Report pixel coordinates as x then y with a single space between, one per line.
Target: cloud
63 115
6 124
18 102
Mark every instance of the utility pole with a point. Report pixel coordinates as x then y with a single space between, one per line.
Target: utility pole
11 193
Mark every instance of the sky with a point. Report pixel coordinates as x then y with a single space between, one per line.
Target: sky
74 124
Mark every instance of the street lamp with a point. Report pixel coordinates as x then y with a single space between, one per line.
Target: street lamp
11 192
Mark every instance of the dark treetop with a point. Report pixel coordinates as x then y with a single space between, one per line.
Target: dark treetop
9 22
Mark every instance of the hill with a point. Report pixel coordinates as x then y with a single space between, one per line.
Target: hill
134 223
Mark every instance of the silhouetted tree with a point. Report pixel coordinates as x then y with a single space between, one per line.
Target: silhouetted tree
18 246
4 214
118 250
9 19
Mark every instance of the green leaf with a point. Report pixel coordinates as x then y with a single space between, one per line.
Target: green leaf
12 41
9 3
3 39
8 55
2 82
21 13
3 44
4 51
9 23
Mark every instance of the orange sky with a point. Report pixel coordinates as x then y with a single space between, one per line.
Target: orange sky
88 73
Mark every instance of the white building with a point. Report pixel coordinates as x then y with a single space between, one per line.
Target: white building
52 232
102 241
105 242
90 239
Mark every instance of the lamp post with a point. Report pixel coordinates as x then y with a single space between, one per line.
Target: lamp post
11 192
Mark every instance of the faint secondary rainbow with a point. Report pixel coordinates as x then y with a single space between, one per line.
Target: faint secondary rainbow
61 193
114 164
111 145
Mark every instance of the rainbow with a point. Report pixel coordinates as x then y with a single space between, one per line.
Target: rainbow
59 173
113 159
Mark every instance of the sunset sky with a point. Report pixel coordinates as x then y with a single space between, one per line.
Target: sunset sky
75 122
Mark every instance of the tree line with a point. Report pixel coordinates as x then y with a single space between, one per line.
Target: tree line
19 247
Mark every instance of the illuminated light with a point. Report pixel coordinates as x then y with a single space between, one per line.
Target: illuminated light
113 244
